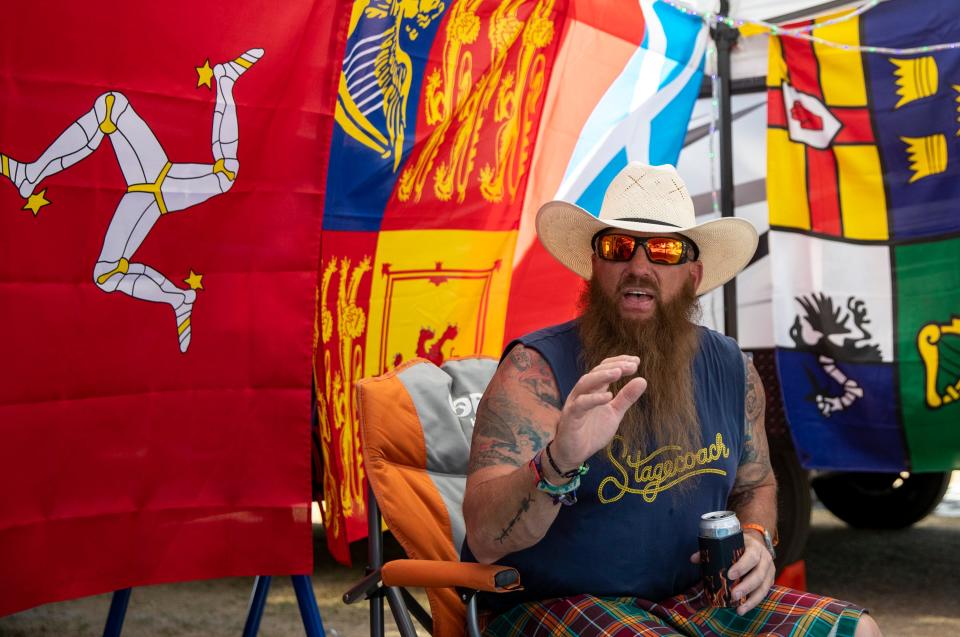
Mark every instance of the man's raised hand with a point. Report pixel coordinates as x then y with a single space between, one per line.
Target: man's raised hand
592 413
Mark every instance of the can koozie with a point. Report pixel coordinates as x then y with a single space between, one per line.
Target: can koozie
721 544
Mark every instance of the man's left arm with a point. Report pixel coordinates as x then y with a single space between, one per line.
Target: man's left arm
754 499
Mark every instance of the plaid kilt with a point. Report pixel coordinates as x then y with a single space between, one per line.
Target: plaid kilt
783 613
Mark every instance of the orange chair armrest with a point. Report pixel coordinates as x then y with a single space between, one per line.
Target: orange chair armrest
439 574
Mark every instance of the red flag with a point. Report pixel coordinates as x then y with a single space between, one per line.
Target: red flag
159 235
454 122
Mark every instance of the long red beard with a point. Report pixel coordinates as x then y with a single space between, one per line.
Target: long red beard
666 343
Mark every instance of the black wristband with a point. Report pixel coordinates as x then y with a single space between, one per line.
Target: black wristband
579 471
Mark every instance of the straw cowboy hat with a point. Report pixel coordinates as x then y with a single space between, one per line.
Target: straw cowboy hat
644 198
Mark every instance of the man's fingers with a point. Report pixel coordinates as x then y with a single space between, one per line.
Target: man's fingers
755 570
625 367
748 584
584 402
622 358
608 371
751 602
595 380
695 558
754 598
629 394
750 558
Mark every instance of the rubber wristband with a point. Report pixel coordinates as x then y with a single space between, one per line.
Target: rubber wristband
762 531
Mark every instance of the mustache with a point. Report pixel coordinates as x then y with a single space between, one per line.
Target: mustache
632 280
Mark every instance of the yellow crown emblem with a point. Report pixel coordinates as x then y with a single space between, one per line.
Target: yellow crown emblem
916 78
928 155
956 87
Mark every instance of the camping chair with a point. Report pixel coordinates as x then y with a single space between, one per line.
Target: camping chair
416 423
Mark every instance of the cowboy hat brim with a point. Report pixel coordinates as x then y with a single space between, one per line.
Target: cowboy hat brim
726 245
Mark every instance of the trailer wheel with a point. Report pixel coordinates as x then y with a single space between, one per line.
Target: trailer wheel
881 500
793 504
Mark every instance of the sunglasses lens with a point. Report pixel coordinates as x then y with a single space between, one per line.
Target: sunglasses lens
664 250
621 247
616 247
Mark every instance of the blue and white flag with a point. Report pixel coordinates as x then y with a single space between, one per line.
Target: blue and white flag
643 115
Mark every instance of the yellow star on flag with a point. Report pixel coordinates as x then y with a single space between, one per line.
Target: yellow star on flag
36 202
204 75
195 281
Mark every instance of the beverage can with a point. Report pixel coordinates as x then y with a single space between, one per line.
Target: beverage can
721 544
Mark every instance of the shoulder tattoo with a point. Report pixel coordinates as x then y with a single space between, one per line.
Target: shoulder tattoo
510 425
754 469
534 374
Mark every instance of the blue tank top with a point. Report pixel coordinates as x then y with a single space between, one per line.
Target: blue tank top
631 533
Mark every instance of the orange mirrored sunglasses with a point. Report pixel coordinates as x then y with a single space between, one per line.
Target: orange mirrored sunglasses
662 250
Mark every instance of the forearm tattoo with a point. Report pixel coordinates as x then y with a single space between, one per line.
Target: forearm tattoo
524 507
739 499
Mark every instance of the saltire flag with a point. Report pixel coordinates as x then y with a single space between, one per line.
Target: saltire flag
864 195
453 124
159 238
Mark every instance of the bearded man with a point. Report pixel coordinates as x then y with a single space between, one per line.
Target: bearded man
666 415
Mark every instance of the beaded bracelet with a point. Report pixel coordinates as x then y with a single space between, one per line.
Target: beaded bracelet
565 494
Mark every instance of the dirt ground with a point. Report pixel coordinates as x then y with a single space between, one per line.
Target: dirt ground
909 579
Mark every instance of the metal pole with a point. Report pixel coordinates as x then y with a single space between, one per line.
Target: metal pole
374 560
400 613
307 602
258 600
726 36
117 613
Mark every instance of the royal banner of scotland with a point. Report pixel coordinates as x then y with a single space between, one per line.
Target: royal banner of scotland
864 195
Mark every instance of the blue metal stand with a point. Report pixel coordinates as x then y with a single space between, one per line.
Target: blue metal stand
258 599
118 610
308 605
306 600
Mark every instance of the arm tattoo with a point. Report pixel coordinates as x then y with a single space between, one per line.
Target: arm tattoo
754 469
739 499
506 432
502 433
492 457
520 357
753 414
524 507
537 376
545 391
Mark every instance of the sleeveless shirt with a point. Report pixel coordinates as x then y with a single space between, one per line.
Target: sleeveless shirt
631 532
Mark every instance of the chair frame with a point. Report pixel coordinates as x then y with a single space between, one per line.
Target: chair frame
444 571
402 604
